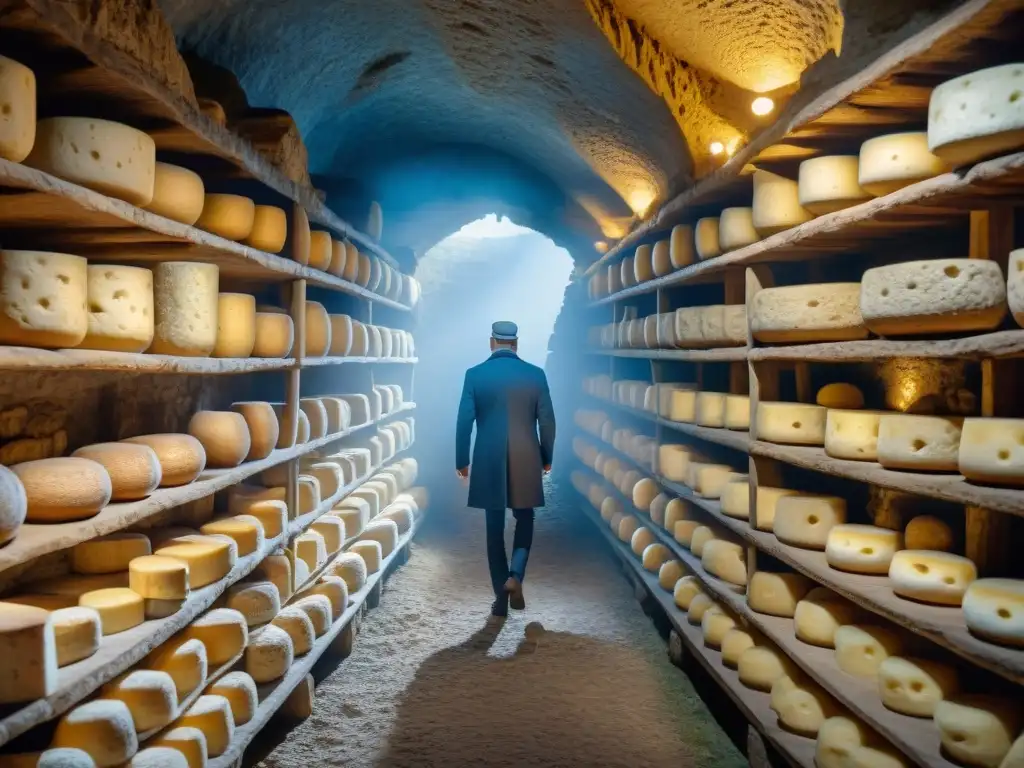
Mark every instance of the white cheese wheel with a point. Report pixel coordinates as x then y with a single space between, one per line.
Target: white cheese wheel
889 163
189 742
370 552
64 489
643 264
269 231
829 183
777 594
268 654
321 250
318 608
211 714
725 559
18 128
224 436
805 520
13 504
761 666
734 643
121 308
208 559
240 691
861 648
933 296
864 549
318 330
311 548
119 608
847 743
134 471
736 228
706 240
840 395
103 728
77 632
913 686
791 423
737 412
224 633
714 624
978 729
182 457
43 299
930 576
186 299
799 314
57 757
820 614
907 441
767 501
977 115
802 705
297 624
699 605
994 610
178 194
150 696
992 451
275 335
28 664
229 216
351 567
686 588
852 434
385 532
236 325
104 156
776 205
158 578
928 532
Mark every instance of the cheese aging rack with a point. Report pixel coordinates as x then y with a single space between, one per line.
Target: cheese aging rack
798 434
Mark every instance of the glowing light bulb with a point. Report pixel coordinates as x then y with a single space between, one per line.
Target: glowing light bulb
762 105
717 147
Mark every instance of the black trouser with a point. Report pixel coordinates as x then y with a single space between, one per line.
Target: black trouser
496 558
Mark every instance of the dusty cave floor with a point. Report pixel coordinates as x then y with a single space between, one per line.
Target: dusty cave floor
580 679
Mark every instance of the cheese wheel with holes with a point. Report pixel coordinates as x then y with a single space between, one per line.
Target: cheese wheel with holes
654 556
805 520
801 704
318 330
18 128
725 559
224 436
686 588
791 423
150 696
761 666
736 229
767 501
865 549
861 648
799 314
103 728
28 666
776 205
229 216
269 231
182 457
104 156
907 441
734 643
714 624
706 240
777 594
889 163
43 299
119 608
852 434
77 632
275 335
158 578
978 729
121 308
209 559
134 469
994 610
297 624
211 714
320 250
977 115
185 294
819 614
829 183
940 578
913 686
933 296
240 691
236 325
64 489
992 451
178 194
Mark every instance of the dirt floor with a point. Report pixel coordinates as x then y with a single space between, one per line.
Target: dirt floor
581 678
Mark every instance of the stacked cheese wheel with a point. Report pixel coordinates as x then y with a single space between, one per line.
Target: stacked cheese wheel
688 328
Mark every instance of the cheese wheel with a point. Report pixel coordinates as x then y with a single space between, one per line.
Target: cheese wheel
915 686
918 442
275 335
103 728
229 216
351 567
801 705
626 528
158 578
669 574
737 412
236 325
63 490
339 256
661 258
658 507
1015 284
761 666
820 614
365 272
211 714
791 423
43 299
320 249
269 231
341 335
843 742
182 457
699 604
889 163
311 548
319 610
710 479
385 532
714 624
185 294
134 469
805 520
643 265
277 569
209 559
978 729
710 410
18 128
224 436
933 296
928 532
245 530
28 666
840 395
777 594
776 205
852 434
976 116
185 660
861 648
318 330
77 632
149 695
178 194
734 643
706 240
681 246
766 502
297 624
736 229
685 589
654 556
189 742
264 430
332 530
992 451
107 157
674 462
644 493
108 554
258 601
994 610
222 631
627 273
121 308
829 183
1015 757
335 590
864 549
798 314
240 691
119 608
930 576
13 504
735 499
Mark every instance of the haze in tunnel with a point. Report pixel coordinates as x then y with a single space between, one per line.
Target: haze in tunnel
491 269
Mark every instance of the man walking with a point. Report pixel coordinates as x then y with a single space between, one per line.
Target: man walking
508 400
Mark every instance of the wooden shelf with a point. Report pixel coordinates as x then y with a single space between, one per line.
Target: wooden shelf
937 486
319 362
989 345
927 205
730 438
23 359
719 355
48 212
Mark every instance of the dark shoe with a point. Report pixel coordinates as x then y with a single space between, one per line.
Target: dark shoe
499 607
514 590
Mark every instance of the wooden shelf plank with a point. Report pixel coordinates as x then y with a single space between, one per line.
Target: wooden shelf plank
23 359
730 438
937 486
319 362
720 355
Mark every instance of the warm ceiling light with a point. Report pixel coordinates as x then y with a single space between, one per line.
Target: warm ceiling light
717 147
762 105
601 246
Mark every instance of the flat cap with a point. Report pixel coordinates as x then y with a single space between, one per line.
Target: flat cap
505 330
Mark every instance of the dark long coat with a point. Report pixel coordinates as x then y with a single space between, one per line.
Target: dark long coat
509 401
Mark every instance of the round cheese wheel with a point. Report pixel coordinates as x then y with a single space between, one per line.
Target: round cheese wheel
339 256
263 426
103 728
365 272
699 603
928 532
776 205
930 576
275 335
223 632
670 573
120 609
229 216
18 128
734 643
185 295
318 330
640 539
134 469
726 560
861 648
644 493
801 705
149 695
777 594
13 504
156 577
236 325
978 729
158 757
187 741
43 299
108 554
335 590
258 601
840 395
889 163
994 610
627 528
320 249
224 436
861 548
805 520
915 686
77 632
351 568
63 490
121 308
297 624
341 335
178 194
185 660
714 624
182 457
269 231
686 588
370 552
240 691
761 666
829 183
211 714
820 614
736 229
